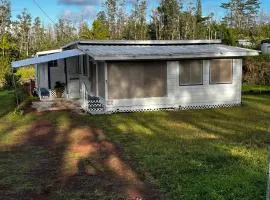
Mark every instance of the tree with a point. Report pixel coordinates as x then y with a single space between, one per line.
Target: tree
100 30
24 21
5 14
251 12
65 31
169 14
136 27
4 44
241 14
85 32
37 35
199 11
111 15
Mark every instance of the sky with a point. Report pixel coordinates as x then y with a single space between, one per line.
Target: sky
89 8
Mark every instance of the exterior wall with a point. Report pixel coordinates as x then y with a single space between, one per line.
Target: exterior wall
209 95
206 94
57 73
42 75
101 79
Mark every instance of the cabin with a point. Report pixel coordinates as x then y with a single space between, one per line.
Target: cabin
128 76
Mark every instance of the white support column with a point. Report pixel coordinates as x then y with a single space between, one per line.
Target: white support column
106 86
97 92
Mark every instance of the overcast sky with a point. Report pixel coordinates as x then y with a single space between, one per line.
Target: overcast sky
89 8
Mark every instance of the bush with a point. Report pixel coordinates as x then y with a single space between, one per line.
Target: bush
26 73
256 70
4 68
11 80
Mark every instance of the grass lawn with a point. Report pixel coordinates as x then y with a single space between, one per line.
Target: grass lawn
247 88
193 154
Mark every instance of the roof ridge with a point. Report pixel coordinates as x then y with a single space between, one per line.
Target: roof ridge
142 42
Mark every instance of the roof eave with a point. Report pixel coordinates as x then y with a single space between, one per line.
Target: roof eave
173 57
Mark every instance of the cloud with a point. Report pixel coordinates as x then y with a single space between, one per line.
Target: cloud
86 13
80 2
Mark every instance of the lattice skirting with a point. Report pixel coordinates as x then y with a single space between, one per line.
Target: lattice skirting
174 109
209 106
54 95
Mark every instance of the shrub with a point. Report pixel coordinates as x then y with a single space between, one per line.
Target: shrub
11 80
4 68
26 73
256 70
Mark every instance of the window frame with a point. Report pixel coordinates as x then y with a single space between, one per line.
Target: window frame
53 63
191 84
210 75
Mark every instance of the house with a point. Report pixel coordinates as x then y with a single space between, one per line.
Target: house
123 76
265 46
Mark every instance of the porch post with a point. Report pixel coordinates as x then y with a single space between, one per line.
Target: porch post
65 69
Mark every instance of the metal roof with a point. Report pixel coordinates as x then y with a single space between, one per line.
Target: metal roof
141 42
47 58
144 52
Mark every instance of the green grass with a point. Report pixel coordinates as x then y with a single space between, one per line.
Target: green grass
7 101
255 89
193 154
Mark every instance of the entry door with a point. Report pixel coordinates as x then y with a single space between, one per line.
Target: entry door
74 87
73 78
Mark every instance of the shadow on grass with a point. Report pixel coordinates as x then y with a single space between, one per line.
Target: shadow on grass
62 157
199 154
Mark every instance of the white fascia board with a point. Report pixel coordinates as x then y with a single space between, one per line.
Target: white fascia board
47 52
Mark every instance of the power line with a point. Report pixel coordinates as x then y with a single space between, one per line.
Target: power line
44 12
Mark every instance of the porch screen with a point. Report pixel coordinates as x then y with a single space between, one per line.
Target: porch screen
190 72
137 79
221 71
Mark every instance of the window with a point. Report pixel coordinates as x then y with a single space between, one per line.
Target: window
221 71
52 63
85 69
137 79
191 72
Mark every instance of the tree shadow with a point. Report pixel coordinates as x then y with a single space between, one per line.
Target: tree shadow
64 157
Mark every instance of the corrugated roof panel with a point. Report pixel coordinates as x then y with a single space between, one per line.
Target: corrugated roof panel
50 57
